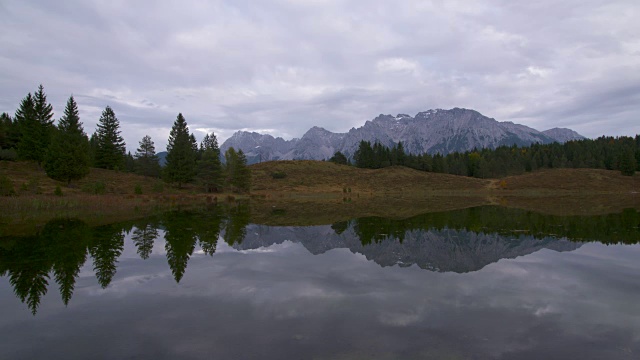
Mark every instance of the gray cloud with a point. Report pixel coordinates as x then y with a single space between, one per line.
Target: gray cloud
284 66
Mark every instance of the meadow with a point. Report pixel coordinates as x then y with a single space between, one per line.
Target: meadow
309 192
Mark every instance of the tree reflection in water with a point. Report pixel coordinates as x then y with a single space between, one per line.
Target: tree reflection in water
60 249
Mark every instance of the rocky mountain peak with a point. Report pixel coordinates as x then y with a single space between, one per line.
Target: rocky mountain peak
317 130
432 131
562 135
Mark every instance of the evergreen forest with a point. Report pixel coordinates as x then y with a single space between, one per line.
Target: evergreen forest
606 152
66 152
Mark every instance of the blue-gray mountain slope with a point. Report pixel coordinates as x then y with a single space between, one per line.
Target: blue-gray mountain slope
432 131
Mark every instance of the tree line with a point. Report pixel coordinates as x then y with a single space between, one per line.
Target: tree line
606 152
66 153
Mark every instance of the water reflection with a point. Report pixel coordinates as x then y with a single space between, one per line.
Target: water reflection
446 250
458 241
143 237
610 229
61 248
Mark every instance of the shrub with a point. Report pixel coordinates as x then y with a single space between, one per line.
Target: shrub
57 191
99 188
6 187
95 188
8 154
158 187
33 186
278 175
138 189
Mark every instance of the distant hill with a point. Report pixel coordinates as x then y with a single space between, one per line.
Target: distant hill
162 157
562 135
432 131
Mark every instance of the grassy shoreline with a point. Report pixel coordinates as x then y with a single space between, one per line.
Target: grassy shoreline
313 191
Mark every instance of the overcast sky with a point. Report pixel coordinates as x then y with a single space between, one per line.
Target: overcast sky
281 67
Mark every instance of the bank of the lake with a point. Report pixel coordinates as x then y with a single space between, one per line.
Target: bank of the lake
313 190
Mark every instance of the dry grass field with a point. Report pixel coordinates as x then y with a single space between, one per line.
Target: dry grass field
303 176
314 192
577 181
104 196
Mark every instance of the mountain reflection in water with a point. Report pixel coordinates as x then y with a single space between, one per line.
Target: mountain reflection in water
498 284
457 241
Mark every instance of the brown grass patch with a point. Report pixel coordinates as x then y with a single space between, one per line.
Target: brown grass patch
570 181
316 192
305 176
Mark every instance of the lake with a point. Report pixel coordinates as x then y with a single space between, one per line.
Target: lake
478 283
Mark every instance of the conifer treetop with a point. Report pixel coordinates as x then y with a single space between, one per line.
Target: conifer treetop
70 121
43 110
110 149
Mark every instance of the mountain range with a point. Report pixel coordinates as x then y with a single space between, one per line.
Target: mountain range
433 131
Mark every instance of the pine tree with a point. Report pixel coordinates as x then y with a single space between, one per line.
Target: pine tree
129 163
110 149
5 128
67 157
12 131
43 110
627 162
93 148
44 115
33 118
209 166
243 181
230 163
398 156
364 156
238 174
29 145
339 158
209 142
194 147
473 167
181 157
147 161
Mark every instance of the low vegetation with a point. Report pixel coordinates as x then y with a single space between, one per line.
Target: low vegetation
315 192
310 192
30 197
319 177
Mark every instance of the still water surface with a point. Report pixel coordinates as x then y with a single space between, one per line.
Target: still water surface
483 283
